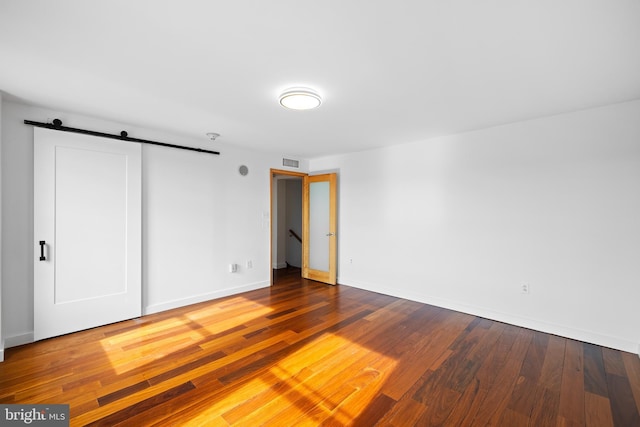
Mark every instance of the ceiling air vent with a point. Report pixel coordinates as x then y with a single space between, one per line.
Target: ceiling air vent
291 163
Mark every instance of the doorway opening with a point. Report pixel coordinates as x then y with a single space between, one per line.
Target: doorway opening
286 225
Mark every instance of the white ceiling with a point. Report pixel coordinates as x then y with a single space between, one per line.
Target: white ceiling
390 72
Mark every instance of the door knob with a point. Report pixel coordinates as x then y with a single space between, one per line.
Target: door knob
331 234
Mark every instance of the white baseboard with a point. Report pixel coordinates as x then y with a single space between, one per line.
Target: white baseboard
17 340
279 265
535 324
1 354
157 308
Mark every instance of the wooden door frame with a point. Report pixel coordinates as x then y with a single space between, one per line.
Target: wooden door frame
272 175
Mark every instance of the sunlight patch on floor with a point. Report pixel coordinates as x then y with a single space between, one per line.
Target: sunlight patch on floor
137 347
349 375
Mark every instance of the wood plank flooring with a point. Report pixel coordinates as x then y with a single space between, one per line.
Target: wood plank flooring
304 353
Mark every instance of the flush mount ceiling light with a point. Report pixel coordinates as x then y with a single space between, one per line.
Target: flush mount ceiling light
300 98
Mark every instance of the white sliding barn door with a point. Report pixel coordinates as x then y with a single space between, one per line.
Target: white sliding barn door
87 232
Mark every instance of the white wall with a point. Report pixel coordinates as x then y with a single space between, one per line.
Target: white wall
1 335
462 221
17 226
199 215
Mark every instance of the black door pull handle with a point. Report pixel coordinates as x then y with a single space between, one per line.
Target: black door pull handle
42 243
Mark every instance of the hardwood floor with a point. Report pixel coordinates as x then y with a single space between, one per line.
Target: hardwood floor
303 353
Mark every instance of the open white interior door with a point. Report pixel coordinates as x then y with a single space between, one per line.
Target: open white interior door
319 226
87 232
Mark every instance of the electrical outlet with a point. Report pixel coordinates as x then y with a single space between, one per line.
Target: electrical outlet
233 268
525 288
249 264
